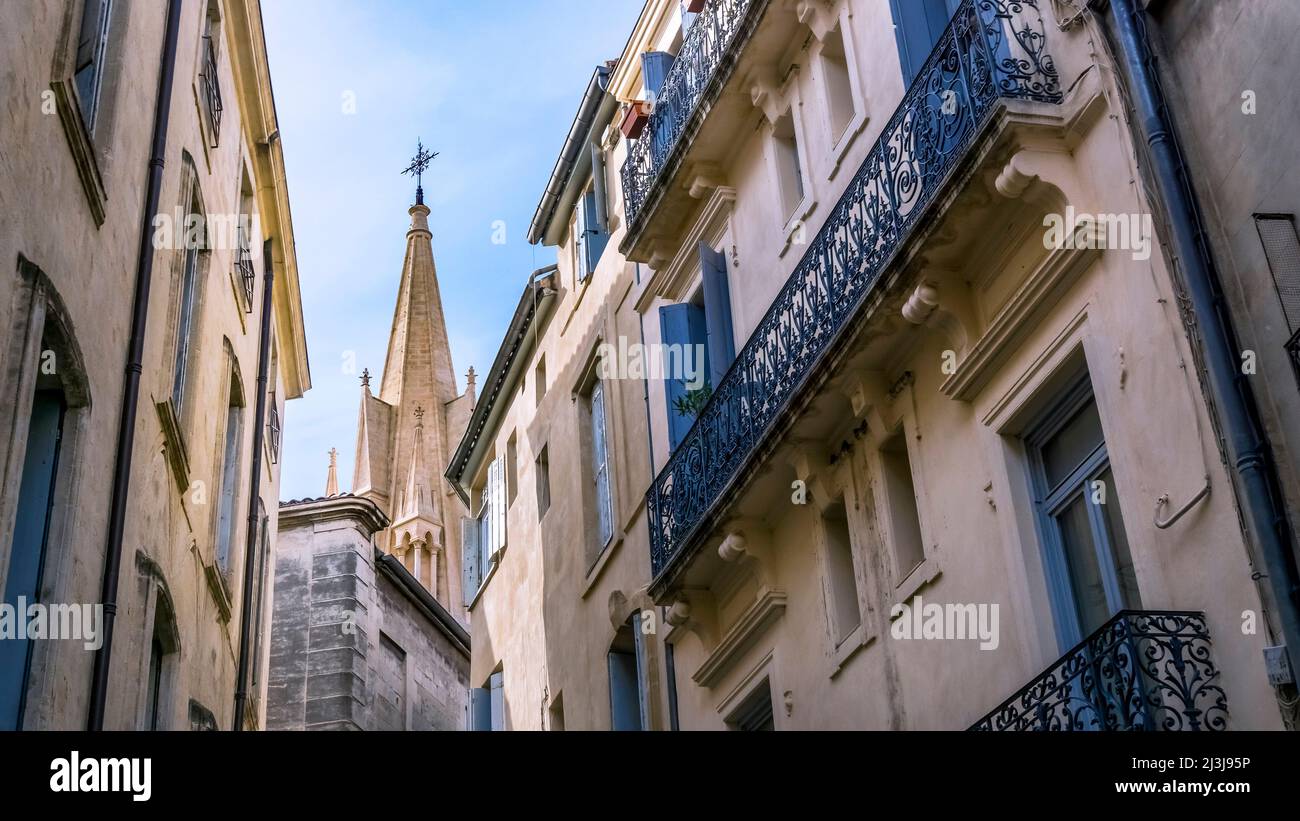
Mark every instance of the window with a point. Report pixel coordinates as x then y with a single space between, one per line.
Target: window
626 662
228 517
260 604
161 648
840 104
683 330
245 278
789 171
92 46
543 482
1282 248
484 535
153 712
31 539
592 234
755 712
201 718
841 581
900 495
45 381
918 24
193 262
600 514
539 379
1089 568
208 77
487 705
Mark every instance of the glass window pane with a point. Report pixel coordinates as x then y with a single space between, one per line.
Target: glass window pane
1072 444
1085 571
1118 540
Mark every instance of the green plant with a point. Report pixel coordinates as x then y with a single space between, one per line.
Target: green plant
694 400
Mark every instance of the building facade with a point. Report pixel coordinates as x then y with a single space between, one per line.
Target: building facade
879 406
369 623
357 642
160 501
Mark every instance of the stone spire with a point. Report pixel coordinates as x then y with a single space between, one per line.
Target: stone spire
332 478
408 428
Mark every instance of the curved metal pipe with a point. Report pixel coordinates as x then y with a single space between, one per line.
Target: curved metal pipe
1163 501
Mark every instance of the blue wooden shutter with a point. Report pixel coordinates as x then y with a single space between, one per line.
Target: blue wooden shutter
480 709
917 26
594 237
600 457
683 327
471 572
717 313
624 697
31 532
654 69
496 682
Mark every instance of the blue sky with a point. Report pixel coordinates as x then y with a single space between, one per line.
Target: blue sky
493 87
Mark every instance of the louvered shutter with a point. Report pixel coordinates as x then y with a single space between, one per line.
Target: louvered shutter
717 313
594 238
498 502
471 571
600 457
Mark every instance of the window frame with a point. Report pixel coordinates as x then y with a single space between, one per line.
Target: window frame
1049 502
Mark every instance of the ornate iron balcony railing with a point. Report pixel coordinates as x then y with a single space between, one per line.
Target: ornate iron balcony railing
244 268
992 49
707 42
212 89
1142 670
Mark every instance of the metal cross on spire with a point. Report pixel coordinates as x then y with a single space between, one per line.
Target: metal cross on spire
420 162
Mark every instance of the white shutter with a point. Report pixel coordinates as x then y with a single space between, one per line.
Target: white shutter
498 504
471 571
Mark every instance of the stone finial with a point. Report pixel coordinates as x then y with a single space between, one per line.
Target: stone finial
470 376
365 377
332 478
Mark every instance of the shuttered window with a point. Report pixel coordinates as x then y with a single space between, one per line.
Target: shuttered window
600 464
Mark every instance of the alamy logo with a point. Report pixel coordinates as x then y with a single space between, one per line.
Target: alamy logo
1123 232
958 622
77 774
79 622
633 360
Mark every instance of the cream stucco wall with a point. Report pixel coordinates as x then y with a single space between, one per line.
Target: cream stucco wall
170 532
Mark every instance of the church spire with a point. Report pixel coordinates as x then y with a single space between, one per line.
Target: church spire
332 478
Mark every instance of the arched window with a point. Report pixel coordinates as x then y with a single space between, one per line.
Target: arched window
50 396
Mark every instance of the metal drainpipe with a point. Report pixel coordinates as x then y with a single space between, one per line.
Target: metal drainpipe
134 366
1231 393
255 481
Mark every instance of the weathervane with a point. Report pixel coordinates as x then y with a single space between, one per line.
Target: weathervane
418 164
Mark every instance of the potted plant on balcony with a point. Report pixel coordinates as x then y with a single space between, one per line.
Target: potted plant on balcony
635 117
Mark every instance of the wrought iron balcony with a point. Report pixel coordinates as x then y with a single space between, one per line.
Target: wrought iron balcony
991 50
706 45
1142 670
211 89
244 269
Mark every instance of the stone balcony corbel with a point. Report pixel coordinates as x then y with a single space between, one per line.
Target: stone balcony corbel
703 178
818 16
765 92
811 466
747 547
925 307
693 611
